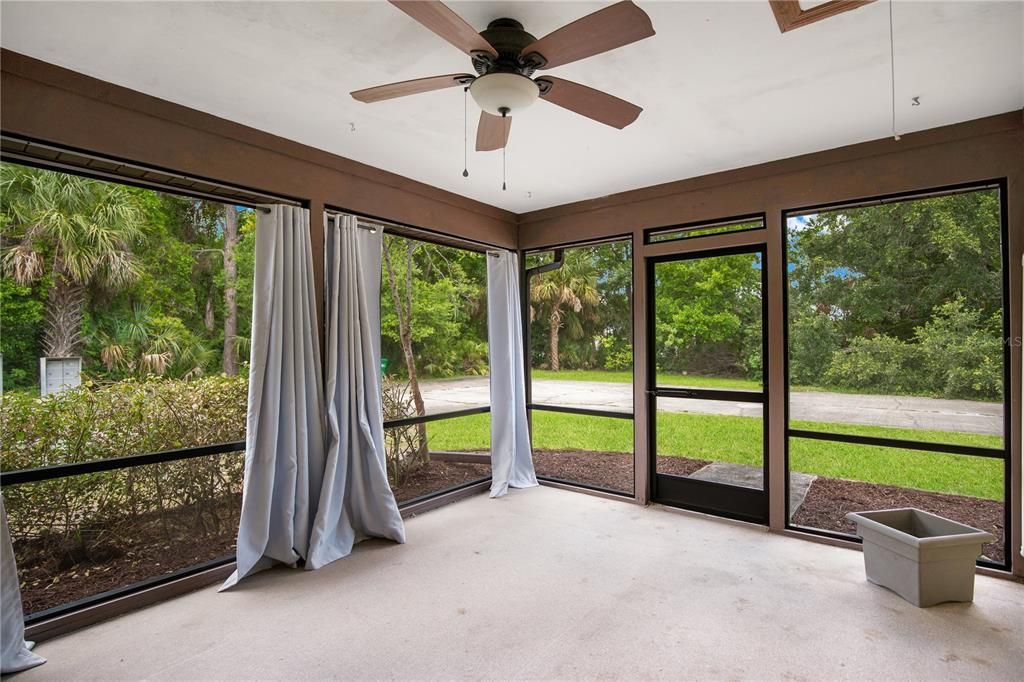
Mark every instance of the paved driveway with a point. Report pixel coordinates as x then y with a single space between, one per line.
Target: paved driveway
879 410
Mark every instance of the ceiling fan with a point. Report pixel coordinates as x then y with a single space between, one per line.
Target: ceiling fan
505 58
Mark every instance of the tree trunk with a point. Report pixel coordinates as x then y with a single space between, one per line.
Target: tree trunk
556 321
208 319
403 311
230 302
64 307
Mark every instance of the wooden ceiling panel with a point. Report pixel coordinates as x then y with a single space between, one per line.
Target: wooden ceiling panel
790 15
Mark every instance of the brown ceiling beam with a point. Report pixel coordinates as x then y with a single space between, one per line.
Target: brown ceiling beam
55 106
790 15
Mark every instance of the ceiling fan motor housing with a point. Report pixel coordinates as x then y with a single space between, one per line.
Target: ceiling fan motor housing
508 38
504 85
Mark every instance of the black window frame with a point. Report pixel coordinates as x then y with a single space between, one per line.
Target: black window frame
437 239
720 499
77 163
1004 453
685 230
525 275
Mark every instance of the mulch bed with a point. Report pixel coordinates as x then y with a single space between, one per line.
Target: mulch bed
437 476
829 500
53 573
610 470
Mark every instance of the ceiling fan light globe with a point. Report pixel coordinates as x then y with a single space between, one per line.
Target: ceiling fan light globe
496 91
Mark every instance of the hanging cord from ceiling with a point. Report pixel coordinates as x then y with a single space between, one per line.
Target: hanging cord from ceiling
892 74
465 134
505 122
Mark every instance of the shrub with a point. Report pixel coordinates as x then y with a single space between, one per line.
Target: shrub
881 364
618 352
963 352
404 446
813 340
956 354
126 418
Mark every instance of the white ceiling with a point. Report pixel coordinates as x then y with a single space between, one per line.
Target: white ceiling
720 86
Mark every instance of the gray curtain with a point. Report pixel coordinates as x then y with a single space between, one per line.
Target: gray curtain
14 650
511 457
284 454
355 500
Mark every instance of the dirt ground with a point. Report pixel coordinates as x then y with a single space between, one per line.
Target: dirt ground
438 476
54 573
829 500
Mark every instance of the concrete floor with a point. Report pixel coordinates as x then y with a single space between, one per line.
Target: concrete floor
908 412
551 584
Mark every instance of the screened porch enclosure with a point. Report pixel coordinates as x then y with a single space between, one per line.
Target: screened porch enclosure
299 384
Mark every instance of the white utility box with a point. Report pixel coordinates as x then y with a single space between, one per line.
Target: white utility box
59 374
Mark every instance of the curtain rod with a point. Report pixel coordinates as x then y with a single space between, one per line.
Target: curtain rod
373 223
361 223
79 163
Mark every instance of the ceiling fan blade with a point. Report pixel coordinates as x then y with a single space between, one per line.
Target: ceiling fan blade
439 18
492 132
413 87
600 106
606 29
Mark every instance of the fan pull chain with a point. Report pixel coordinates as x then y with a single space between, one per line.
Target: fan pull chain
504 122
892 74
465 135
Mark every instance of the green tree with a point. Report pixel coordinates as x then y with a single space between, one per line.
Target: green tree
79 232
179 261
613 324
430 313
707 316
21 317
441 304
144 343
230 360
901 297
884 269
564 297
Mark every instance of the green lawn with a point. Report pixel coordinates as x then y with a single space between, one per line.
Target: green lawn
738 439
626 377
665 379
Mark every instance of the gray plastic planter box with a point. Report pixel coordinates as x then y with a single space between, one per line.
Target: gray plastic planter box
924 558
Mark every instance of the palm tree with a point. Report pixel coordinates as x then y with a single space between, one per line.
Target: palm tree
572 287
76 230
145 344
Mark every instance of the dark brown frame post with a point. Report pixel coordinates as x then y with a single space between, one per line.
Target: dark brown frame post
972 152
318 237
775 381
642 474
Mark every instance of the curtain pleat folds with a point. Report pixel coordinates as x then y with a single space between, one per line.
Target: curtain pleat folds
511 456
15 652
284 454
315 472
356 501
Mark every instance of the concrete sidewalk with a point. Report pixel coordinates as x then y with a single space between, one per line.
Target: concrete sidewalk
907 412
